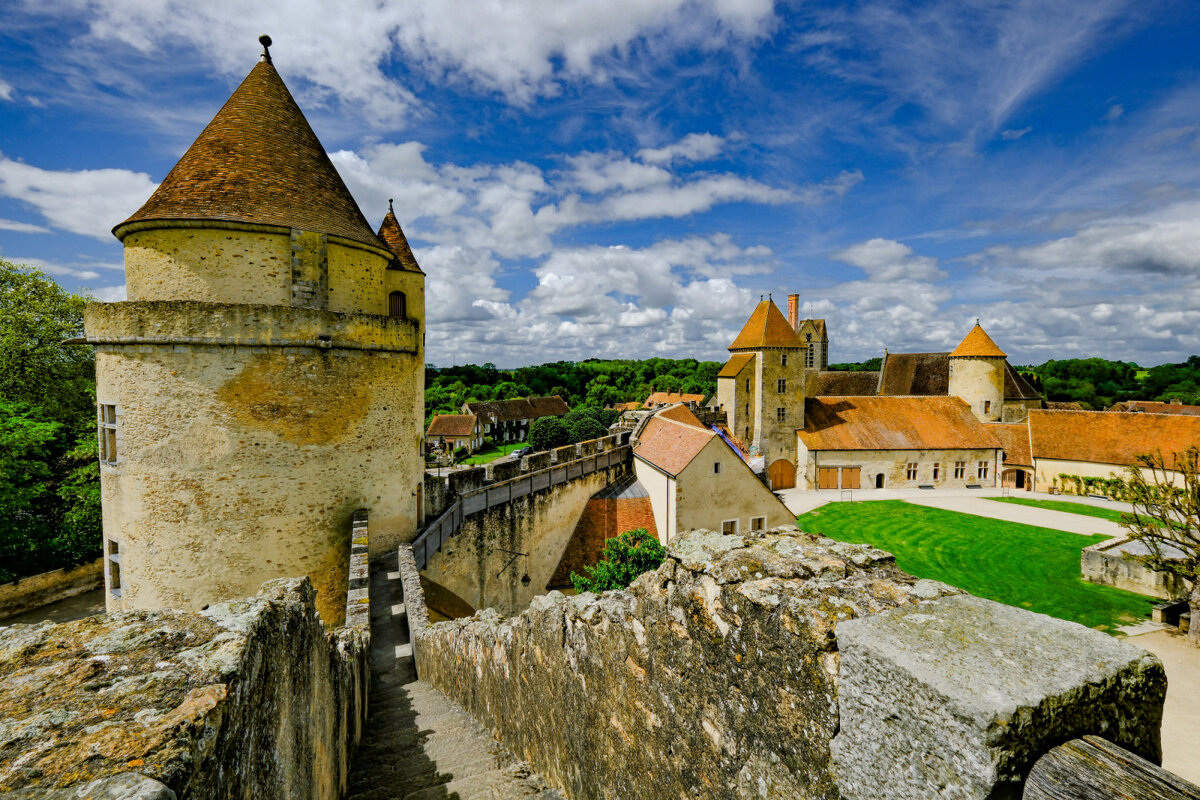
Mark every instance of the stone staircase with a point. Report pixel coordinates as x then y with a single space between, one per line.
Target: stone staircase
418 744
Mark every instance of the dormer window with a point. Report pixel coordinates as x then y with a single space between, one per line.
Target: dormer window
397 305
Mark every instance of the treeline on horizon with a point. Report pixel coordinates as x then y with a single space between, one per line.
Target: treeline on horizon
1094 383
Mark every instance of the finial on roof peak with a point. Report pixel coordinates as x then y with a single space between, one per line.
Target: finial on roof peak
977 320
760 298
265 41
390 205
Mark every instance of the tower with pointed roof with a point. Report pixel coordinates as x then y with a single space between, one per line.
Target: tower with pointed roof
264 380
977 368
812 334
761 389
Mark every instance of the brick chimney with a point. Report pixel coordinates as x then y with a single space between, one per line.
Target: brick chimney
794 311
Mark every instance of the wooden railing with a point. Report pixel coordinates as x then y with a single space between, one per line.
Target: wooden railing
450 521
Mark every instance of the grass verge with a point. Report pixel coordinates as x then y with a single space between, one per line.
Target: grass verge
491 453
1110 514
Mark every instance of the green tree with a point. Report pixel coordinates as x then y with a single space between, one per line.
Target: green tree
546 433
623 559
586 428
1166 518
25 444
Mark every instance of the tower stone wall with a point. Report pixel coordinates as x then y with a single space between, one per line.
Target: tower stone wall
979 381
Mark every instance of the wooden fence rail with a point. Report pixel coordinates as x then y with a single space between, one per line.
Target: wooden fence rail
1094 769
450 521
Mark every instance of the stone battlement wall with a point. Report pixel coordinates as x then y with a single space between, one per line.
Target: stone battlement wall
36 591
785 665
249 698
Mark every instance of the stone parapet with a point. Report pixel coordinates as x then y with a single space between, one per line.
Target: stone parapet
176 323
36 591
723 674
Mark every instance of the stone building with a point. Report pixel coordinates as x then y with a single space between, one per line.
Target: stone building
894 442
509 420
696 479
449 432
265 377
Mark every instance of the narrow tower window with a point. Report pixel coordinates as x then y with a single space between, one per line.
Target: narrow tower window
397 305
987 406
114 567
106 417
783 360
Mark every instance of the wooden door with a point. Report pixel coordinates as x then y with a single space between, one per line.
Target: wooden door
827 478
782 475
850 477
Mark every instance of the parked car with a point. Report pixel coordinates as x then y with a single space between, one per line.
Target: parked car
521 452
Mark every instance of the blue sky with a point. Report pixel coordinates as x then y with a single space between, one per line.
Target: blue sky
624 178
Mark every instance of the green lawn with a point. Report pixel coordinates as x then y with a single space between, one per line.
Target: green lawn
491 453
1021 565
1110 514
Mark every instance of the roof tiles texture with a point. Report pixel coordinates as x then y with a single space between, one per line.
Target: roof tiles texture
978 344
666 398
1014 438
767 327
393 236
924 374
736 363
671 445
1155 407
258 161
1016 387
892 423
1106 437
844 384
681 413
518 409
452 425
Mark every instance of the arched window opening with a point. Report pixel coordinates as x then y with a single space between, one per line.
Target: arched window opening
397 305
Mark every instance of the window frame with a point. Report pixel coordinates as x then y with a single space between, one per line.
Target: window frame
781 414
981 471
394 307
960 470
112 560
730 522
910 470
716 468
781 385
106 433
758 524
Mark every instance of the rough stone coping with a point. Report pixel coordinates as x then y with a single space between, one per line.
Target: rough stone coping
979 690
123 786
358 596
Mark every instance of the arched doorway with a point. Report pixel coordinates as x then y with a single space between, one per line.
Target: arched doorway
879 481
782 475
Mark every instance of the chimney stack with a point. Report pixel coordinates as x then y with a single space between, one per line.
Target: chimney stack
794 311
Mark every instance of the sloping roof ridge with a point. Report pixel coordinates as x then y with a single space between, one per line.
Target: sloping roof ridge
259 162
977 344
766 327
393 236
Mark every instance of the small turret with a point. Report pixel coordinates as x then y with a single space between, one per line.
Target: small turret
977 374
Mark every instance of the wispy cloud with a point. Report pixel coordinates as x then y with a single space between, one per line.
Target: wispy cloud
21 227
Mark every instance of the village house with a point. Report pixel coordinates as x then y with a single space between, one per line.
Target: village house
508 420
448 432
696 479
660 399
1155 407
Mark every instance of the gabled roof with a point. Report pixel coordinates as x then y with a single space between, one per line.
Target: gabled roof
669 444
1106 437
1016 387
1014 438
818 326
518 409
666 398
923 374
452 425
767 327
258 162
977 343
681 413
736 363
397 242
1155 407
552 406
892 423
837 383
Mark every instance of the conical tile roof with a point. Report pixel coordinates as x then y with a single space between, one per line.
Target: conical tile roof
767 327
392 235
977 343
258 161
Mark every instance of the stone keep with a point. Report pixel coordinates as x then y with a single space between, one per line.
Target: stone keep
265 377
977 374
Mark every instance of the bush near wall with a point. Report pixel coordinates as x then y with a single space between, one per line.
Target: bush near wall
1084 485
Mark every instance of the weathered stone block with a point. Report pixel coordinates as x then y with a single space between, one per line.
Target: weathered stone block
467 480
564 454
537 461
504 470
956 698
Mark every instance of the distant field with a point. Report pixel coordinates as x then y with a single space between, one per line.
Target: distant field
1020 565
1064 505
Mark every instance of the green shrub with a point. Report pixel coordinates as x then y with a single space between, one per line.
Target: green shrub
624 558
546 433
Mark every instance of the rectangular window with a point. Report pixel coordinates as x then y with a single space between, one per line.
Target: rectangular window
910 471
747 409
982 472
729 527
987 406
106 417
758 523
716 468
114 568
937 470
960 469
781 385
783 360
747 384
779 415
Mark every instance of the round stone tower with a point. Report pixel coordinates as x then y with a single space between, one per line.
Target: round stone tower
265 378
977 374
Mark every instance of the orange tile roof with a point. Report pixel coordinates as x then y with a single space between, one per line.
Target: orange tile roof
1155 407
518 409
681 413
452 425
670 445
892 423
736 363
923 374
1106 437
393 236
258 161
977 343
1014 438
767 327
666 398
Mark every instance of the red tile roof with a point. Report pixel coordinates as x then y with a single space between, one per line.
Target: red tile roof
925 374
1014 438
735 364
767 327
892 423
977 343
666 398
518 409
1155 407
393 236
681 413
258 161
670 445
1106 437
452 425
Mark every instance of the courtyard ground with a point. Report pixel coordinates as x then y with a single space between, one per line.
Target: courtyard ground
1181 714
1112 514
490 453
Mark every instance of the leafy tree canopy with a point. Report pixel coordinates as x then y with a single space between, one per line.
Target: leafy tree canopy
623 559
546 433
